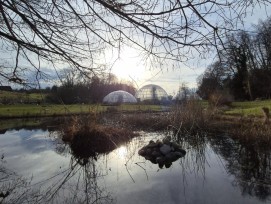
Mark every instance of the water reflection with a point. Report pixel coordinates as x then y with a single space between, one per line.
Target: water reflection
69 182
15 188
122 152
250 164
216 169
77 184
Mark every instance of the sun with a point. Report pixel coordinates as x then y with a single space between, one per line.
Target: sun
129 66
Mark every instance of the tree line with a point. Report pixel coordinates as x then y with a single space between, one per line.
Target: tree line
243 67
73 89
91 90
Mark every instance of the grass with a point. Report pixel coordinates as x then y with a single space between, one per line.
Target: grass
248 108
28 110
16 97
31 110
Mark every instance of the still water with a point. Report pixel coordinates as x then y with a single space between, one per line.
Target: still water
37 167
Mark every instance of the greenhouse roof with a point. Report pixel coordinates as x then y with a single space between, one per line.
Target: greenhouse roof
119 97
151 92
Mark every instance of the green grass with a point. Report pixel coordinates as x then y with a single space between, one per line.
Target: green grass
248 108
17 97
30 110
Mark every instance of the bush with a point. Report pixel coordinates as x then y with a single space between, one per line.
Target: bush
220 99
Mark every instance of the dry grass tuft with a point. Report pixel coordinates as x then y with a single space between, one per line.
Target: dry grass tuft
254 133
190 116
247 130
146 121
87 138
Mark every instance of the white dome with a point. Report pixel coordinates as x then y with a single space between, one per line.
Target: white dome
119 97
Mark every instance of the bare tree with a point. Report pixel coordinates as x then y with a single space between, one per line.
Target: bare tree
211 81
244 65
78 33
263 44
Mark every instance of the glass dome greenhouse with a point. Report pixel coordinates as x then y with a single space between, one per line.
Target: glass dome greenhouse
118 97
151 92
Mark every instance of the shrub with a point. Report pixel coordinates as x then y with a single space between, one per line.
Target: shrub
220 99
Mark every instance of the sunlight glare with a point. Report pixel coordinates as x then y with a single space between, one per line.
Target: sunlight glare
129 66
122 152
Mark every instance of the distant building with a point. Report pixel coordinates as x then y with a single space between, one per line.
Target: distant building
5 88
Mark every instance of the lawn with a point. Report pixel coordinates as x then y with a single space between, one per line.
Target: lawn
248 108
10 97
33 110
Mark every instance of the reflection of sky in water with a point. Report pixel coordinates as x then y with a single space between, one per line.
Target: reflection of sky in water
25 140
122 152
30 153
183 182
129 177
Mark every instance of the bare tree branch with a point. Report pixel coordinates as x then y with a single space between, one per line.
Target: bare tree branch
76 33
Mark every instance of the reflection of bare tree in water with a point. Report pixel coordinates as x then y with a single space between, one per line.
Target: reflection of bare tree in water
80 182
249 163
195 144
77 184
14 188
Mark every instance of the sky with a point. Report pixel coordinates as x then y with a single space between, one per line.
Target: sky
129 67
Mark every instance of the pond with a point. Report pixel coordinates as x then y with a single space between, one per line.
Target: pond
38 167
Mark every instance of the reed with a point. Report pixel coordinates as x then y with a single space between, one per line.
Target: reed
146 121
252 132
190 116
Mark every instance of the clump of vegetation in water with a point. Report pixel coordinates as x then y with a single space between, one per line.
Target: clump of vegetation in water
87 138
